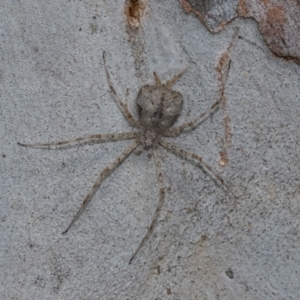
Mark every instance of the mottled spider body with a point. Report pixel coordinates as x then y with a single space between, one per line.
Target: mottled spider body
158 108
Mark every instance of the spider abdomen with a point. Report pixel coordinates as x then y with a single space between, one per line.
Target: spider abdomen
158 107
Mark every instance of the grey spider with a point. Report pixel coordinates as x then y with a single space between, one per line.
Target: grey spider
158 108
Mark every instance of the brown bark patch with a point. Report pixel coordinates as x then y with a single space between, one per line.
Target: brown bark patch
278 20
134 10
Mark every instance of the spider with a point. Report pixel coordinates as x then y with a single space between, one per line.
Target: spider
158 108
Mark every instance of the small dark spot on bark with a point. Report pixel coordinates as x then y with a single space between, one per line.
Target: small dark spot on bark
94 28
204 237
229 273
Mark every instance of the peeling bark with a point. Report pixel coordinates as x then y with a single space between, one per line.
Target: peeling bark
134 10
278 20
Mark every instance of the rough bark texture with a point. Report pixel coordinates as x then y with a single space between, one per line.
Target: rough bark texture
278 20
206 245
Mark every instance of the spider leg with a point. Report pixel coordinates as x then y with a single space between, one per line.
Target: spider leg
224 61
161 186
172 81
122 106
157 79
94 138
222 69
189 155
117 162
175 131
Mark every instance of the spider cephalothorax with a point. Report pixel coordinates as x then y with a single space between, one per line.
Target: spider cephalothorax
158 108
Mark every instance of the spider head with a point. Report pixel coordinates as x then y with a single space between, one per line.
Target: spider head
158 107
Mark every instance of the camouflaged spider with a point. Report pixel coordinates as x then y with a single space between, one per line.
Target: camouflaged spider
158 108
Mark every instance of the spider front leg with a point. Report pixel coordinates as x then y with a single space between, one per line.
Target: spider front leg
117 162
161 186
175 131
94 138
122 106
170 82
189 155
222 69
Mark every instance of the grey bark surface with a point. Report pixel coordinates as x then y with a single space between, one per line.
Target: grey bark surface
206 245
